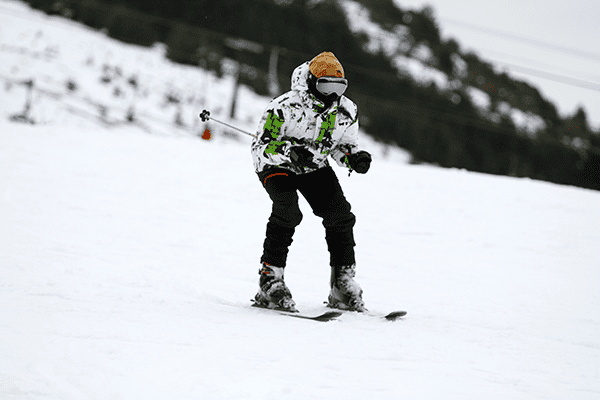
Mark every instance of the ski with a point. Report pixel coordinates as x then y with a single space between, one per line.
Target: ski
325 317
331 315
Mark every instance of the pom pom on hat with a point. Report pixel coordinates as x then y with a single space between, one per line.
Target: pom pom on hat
325 64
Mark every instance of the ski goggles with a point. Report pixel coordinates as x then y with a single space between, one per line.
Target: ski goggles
328 85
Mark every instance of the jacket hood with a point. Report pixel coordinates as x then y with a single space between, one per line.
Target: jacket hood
300 77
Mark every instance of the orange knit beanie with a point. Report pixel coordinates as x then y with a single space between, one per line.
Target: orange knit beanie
325 64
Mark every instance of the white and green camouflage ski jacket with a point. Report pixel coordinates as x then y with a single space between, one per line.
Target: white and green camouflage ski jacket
297 118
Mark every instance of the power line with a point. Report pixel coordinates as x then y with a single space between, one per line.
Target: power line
552 77
497 56
535 42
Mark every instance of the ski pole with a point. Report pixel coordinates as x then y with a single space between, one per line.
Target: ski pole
205 116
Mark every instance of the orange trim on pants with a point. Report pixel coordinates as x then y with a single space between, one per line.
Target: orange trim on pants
278 173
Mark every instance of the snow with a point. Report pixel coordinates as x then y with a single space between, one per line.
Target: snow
379 40
527 121
419 66
128 258
479 98
53 51
394 45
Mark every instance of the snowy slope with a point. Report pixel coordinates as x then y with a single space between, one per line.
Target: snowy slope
127 261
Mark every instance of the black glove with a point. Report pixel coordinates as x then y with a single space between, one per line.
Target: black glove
360 162
302 157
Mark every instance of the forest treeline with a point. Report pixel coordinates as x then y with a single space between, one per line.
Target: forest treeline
438 125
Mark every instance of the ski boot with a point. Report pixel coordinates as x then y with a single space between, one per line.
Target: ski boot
345 293
273 292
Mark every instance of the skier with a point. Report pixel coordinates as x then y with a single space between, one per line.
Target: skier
298 130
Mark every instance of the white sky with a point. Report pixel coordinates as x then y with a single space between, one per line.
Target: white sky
571 25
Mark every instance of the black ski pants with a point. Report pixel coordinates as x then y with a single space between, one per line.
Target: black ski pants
323 192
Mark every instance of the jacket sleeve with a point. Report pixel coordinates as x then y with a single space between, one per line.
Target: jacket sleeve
269 145
347 145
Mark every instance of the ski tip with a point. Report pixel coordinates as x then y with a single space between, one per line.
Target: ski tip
328 316
395 315
333 314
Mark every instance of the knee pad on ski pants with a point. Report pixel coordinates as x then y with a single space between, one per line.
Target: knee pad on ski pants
281 188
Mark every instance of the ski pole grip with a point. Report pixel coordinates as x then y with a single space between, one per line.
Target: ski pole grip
205 115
